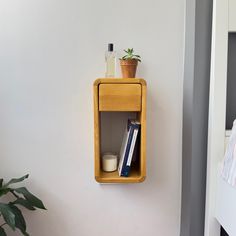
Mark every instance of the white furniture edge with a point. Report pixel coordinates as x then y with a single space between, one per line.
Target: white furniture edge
217 202
232 16
217 108
226 206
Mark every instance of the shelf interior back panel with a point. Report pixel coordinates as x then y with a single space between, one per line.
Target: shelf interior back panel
113 126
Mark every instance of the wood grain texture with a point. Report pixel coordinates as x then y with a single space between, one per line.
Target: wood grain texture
97 135
119 97
125 95
143 132
113 177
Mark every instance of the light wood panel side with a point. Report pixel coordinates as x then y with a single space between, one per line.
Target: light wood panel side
143 132
96 133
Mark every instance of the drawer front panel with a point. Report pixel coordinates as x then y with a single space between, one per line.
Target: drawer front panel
120 97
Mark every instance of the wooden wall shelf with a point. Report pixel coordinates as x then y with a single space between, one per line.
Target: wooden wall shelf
126 96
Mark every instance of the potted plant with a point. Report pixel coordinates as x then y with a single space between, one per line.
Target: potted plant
10 214
129 63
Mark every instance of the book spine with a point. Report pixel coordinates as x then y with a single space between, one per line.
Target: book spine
124 146
122 152
129 159
127 149
132 147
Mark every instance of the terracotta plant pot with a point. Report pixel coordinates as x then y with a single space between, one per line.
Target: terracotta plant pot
128 68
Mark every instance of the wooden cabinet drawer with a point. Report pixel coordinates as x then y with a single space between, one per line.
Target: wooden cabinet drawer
120 97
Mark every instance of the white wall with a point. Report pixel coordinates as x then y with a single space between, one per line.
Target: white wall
51 51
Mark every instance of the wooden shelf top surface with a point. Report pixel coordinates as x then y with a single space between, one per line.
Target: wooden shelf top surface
119 81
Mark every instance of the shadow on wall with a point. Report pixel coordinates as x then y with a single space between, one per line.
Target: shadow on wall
158 143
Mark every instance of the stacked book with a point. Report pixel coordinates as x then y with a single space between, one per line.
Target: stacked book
129 147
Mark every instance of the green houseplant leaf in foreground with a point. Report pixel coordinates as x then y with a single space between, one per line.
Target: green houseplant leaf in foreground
10 214
14 181
2 232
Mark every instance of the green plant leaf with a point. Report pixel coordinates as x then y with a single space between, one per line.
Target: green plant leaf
19 219
25 203
1 182
129 55
13 181
8 215
4 191
34 201
2 232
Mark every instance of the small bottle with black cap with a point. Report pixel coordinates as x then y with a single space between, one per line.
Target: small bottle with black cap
110 57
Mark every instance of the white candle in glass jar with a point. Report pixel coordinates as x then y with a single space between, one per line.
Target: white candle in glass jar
109 162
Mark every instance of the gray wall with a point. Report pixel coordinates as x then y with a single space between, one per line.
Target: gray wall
195 115
231 81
